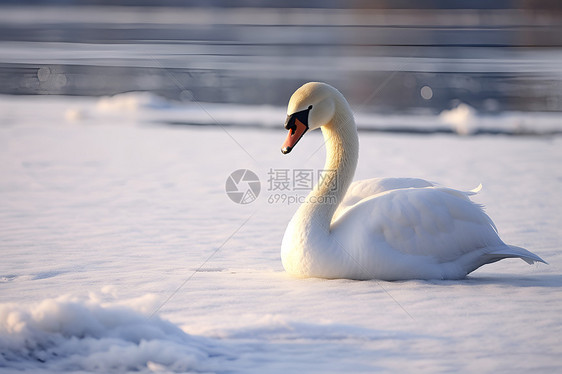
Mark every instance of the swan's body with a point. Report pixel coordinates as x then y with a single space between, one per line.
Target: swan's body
389 228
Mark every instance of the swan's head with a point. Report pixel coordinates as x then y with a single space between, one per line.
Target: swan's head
310 107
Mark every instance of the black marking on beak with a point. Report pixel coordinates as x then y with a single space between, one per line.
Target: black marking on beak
302 116
286 150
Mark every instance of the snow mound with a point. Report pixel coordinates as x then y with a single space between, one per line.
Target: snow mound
462 119
68 334
465 120
132 101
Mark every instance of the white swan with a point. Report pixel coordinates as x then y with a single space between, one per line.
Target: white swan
388 229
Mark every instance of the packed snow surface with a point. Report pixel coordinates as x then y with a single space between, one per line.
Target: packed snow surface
122 252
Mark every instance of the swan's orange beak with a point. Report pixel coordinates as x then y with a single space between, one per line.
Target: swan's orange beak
297 124
295 134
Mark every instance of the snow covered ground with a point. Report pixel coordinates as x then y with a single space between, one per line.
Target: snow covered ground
122 252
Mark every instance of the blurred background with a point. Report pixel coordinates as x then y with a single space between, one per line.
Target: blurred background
387 56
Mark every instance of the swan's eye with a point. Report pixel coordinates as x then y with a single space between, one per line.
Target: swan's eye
309 107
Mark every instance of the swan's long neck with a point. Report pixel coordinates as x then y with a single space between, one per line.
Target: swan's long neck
342 150
309 247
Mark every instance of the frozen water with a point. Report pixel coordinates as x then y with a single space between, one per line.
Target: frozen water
122 252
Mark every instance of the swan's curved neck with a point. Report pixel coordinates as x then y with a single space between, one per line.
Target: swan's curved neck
342 151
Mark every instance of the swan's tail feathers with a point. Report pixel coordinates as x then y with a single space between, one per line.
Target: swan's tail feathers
511 251
474 191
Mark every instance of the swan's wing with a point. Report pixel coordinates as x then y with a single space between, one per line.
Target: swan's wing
438 223
367 188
